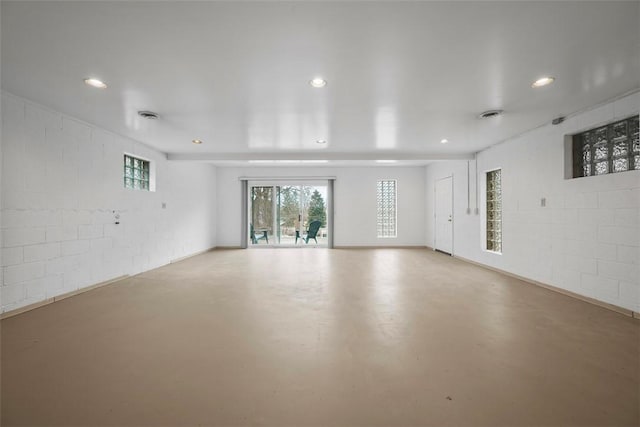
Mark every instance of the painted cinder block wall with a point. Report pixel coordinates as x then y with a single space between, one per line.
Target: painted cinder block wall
61 183
587 238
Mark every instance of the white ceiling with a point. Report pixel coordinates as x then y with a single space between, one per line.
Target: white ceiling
401 75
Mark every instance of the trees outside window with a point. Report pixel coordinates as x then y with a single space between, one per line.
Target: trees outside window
290 206
262 207
317 209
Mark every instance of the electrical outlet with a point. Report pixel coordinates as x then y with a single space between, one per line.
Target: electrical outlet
164 205
543 202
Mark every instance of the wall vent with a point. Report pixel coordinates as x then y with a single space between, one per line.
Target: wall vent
489 113
150 115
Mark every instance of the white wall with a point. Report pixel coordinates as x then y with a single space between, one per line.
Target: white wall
191 204
61 182
586 240
354 200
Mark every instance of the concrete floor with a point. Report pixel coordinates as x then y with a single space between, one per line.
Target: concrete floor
321 337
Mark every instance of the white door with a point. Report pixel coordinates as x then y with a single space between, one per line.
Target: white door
444 215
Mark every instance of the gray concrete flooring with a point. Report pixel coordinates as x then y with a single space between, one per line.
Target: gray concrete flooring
288 337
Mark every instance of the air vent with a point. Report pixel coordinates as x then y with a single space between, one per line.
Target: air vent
489 113
148 115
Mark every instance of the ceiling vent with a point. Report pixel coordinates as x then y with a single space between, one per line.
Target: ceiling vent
150 115
489 113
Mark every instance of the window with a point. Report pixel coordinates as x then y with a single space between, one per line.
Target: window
136 173
607 149
387 208
494 211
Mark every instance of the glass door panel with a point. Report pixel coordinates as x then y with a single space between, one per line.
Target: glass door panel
290 214
315 218
261 224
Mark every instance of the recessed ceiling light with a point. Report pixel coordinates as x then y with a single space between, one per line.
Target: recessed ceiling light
318 82
197 141
321 141
543 81
386 161
95 83
444 141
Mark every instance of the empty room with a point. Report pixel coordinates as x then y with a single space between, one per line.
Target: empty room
327 213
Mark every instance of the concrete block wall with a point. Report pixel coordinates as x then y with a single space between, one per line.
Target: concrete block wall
62 187
587 238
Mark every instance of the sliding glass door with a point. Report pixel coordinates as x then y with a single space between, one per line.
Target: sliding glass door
263 221
288 214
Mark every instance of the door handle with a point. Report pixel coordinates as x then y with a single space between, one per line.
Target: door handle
449 219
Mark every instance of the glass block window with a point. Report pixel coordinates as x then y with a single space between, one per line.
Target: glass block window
607 149
387 217
136 173
494 211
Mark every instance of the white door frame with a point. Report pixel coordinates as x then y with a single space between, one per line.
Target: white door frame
435 233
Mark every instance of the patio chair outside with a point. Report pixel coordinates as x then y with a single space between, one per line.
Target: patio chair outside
255 239
312 232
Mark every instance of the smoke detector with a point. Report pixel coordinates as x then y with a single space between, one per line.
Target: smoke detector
489 113
150 115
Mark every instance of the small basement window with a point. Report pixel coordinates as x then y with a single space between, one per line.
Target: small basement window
137 173
607 149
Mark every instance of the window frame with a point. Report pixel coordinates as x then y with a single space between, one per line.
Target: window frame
150 175
395 209
582 158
